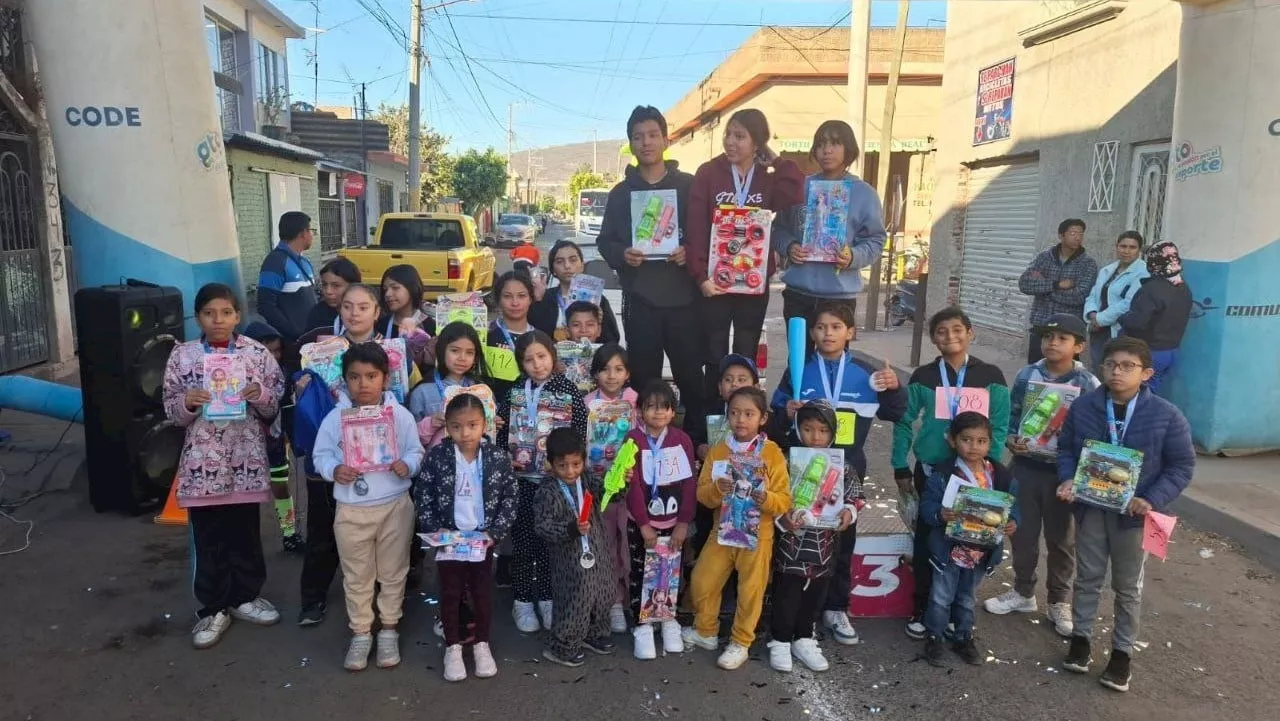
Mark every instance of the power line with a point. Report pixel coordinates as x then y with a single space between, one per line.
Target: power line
470 72
667 23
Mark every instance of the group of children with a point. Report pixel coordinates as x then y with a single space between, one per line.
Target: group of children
967 416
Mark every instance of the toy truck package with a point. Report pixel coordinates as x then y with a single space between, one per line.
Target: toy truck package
1044 410
981 517
1107 475
739 253
826 219
817 485
576 357
656 232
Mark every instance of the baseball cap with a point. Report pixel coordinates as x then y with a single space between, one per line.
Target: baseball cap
1065 323
819 408
737 359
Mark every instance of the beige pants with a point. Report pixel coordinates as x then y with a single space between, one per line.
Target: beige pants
373 544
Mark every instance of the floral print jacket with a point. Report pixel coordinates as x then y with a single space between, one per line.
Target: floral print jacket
222 463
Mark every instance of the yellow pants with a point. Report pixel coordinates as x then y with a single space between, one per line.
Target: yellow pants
373 545
710 573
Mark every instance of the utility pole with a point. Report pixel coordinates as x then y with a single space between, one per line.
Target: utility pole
886 152
415 123
595 140
859 49
364 165
315 56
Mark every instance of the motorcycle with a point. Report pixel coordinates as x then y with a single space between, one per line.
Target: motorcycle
901 303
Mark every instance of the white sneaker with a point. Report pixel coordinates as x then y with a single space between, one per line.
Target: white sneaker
544 610
525 615
388 654
779 656
454 668
916 629
692 638
644 647
438 629
672 639
358 652
209 630
1060 617
258 611
837 622
485 666
617 619
809 653
735 654
1009 602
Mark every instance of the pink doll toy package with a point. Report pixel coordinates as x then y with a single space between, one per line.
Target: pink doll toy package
224 378
739 514
661 585
369 438
826 219
399 362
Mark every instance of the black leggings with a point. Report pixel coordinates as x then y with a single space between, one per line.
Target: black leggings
797 601
745 313
228 567
530 564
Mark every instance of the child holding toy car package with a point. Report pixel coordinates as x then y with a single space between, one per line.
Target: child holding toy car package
969 497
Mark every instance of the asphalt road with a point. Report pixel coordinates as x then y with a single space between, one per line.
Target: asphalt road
95 619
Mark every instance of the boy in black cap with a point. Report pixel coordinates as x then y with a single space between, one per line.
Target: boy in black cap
1062 338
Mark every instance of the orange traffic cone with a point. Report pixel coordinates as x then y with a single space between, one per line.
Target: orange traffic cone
172 515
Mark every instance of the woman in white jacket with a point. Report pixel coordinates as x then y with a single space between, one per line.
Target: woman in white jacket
1113 291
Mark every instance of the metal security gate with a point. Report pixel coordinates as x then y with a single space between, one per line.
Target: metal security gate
1000 228
24 309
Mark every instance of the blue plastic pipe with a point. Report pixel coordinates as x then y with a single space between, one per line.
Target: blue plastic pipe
31 395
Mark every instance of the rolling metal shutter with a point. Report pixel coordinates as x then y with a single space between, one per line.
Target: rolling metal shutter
1000 228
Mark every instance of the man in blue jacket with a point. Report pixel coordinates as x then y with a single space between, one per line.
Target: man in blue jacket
1124 412
286 283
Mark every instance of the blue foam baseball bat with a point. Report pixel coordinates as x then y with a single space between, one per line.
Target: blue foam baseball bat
797 330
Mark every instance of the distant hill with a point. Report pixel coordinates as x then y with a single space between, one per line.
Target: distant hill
558 162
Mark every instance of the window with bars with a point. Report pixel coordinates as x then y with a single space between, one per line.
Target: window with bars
1102 180
386 198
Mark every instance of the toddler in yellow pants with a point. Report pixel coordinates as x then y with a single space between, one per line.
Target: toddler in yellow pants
742 538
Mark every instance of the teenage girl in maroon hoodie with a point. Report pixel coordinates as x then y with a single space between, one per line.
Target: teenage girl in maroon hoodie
747 174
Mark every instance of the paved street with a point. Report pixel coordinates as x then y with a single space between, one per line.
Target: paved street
97 613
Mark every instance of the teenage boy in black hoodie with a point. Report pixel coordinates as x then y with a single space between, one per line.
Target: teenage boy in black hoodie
658 296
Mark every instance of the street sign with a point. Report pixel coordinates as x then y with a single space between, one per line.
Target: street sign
353 185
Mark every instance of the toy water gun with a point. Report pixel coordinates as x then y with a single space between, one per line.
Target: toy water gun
649 220
1038 418
616 479
807 489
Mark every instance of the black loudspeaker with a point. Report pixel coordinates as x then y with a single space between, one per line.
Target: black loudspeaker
125 334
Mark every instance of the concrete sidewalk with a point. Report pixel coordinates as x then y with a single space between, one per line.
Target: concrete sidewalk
1235 497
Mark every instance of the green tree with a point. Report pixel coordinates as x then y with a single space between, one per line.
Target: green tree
583 178
437 165
479 178
546 204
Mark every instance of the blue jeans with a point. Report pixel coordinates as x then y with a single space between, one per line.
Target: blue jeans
1162 361
951 599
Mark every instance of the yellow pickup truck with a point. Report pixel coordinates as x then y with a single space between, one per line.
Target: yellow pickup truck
444 247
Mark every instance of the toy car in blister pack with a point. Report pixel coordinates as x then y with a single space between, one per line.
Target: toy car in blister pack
576 357
607 425
369 438
739 253
826 219
527 437
1107 475
739 513
1045 407
981 515
817 485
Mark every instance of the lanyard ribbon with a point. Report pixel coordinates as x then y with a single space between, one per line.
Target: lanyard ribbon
832 395
649 470
230 349
1116 430
532 395
506 333
741 186
577 508
953 396
968 472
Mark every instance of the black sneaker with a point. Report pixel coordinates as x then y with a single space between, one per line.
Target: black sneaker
1117 675
915 627
312 614
571 662
602 645
967 651
1078 653
933 649
294 544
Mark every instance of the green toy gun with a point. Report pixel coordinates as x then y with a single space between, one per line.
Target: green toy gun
806 489
649 220
1037 419
615 480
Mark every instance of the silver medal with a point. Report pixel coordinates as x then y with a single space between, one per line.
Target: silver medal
361 486
587 559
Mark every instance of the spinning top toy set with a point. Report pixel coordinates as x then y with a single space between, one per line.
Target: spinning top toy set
739 254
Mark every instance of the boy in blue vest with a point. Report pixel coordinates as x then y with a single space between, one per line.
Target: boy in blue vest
860 393
1062 338
1124 412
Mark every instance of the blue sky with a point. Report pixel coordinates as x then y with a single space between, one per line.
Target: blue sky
567 78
